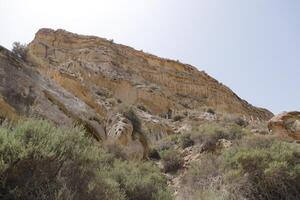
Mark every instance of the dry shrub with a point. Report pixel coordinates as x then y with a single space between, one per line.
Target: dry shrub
171 160
186 141
257 167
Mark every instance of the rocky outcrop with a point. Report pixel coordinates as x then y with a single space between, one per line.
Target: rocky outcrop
25 92
120 131
286 124
85 65
69 78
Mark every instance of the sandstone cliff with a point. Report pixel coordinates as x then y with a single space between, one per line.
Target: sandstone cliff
103 74
69 78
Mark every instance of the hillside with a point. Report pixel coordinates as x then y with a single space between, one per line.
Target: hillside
85 118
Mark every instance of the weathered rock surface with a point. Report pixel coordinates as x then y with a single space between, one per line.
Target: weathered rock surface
120 131
103 74
71 78
286 124
25 92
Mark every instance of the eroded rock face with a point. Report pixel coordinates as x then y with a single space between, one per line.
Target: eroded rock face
71 78
120 131
286 124
25 92
84 65
155 127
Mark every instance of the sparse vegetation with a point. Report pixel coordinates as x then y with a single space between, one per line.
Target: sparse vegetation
255 168
140 180
204 178
178 118
270 172
171 160
241 122
153 154
166 143
211 133
186 141
211 111
20 50
116 150
235 120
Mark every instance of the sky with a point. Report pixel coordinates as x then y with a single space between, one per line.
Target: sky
252 46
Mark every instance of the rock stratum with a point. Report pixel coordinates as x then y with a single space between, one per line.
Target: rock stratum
69 78
90 67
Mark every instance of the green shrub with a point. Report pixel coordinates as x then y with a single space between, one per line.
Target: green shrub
166 143
234 119
211 133
116 150
257 167
41 161
186 141
37 160
174 138
270 172
171 160
140 181
241 122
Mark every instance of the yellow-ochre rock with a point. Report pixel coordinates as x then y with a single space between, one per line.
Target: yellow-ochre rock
69 78
286 124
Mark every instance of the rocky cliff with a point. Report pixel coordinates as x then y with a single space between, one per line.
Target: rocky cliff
69 78
103 74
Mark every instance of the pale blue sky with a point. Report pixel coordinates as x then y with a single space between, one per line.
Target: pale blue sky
252 46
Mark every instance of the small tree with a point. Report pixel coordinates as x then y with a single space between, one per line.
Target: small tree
20 50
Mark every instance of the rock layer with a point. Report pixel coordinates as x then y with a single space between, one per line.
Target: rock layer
103 74
69 78
26 92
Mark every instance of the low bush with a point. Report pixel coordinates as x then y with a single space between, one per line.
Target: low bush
234 119
37 160
257 167
41 161
270 172
211 133
116 150
241 122
211 111
153 154
186 141
171 160
166 143
178 118
140 180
